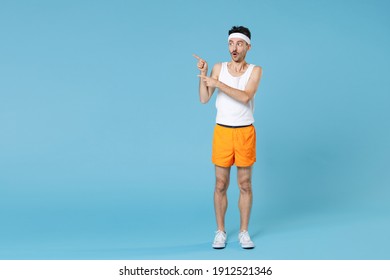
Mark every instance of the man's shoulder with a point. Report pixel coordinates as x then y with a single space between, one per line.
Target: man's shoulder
256 73
218 65
217 69
257 69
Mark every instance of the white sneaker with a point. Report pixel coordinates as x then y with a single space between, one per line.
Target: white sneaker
219 240
245 240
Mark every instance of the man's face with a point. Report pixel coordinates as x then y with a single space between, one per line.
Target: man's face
238 49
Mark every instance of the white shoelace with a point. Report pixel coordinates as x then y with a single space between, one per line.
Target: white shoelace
219 236
244 237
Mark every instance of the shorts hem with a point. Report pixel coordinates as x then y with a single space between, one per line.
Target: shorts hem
249 165
238 165
222 165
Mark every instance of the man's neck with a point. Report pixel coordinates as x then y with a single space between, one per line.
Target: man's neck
238 66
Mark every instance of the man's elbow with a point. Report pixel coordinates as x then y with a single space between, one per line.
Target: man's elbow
247 98
203 100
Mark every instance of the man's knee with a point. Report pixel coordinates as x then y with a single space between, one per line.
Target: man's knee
245 185
221 184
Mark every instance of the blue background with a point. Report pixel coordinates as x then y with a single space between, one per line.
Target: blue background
105 148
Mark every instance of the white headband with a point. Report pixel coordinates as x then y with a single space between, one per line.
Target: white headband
240 36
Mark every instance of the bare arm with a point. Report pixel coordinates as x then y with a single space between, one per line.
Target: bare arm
243 96
205 91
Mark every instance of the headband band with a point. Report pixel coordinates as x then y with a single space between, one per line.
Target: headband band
240 36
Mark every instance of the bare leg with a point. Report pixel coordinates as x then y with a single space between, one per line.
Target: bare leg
222 175
244 177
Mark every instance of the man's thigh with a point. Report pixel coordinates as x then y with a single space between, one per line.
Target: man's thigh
223 147
245 146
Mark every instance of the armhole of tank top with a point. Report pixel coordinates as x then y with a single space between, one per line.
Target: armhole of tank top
252 66
223 68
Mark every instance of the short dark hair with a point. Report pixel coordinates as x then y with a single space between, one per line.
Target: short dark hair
240 29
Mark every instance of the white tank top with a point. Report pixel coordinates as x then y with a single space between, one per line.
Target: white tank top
230 111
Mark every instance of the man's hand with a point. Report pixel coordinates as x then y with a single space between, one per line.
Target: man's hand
210 82
202 64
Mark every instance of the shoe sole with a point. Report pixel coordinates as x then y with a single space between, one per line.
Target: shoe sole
219 247
247 247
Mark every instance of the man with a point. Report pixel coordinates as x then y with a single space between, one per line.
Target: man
234 140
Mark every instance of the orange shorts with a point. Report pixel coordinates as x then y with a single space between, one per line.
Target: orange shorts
234 146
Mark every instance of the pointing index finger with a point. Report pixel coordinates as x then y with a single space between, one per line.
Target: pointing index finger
197 57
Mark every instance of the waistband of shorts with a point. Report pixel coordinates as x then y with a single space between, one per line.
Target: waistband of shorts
232 126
